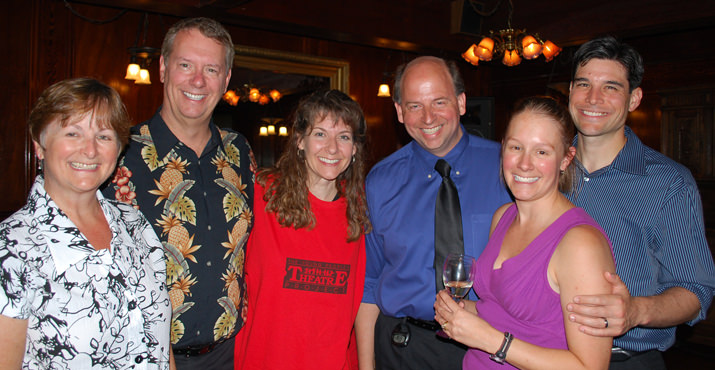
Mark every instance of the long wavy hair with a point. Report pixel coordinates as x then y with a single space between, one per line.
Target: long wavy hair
286 186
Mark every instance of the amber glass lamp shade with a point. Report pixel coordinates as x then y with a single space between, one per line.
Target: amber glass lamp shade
254 95
531 48
485 49
550 50
469 56
511 58
133 71
275 95
143 77
383 91
229 97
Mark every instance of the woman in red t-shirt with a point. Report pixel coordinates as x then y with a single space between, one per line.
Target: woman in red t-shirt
305 261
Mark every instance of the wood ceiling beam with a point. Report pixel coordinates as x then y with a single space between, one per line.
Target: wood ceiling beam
182 10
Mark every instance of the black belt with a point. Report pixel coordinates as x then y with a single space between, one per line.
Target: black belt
619 354
190 351
424 324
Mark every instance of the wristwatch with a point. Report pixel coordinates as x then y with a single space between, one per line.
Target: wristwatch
500 355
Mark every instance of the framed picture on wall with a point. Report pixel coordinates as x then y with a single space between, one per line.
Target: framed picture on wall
479 117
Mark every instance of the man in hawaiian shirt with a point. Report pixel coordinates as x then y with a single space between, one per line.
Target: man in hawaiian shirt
194 183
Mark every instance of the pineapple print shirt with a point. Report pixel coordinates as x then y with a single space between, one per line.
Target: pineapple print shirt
201 208
86 308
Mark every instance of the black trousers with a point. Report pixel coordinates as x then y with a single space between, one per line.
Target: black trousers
651 360
424 351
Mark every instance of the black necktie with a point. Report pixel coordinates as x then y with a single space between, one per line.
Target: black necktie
447 222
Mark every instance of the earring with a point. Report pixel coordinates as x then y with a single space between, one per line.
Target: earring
353 159
301 154
40 162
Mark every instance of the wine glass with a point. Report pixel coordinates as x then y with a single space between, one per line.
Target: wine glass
458 275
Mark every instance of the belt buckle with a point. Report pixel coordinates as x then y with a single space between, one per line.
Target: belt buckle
619 354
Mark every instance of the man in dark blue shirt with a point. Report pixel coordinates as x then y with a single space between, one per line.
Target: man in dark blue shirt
401 191
194 183
648 205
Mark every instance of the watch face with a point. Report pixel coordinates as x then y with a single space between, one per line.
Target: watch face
401 335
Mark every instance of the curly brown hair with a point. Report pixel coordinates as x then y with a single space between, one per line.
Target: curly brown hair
286 192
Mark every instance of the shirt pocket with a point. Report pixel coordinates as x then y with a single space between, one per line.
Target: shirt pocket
480 224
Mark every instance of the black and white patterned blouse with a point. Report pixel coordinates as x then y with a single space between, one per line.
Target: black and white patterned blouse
86 308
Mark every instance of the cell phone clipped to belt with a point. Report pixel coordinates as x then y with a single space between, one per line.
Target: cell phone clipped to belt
401 334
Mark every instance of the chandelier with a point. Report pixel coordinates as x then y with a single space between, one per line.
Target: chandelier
509 44
249 92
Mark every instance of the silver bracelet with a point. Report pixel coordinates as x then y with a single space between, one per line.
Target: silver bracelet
500 355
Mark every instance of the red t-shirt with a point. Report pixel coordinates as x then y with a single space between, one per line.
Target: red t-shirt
304 288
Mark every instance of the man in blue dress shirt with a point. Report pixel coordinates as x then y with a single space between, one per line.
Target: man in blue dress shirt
401 191
648 205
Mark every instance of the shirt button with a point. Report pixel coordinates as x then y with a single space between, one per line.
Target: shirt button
209 227
208 263
456 172
204 194
198 332
132 305
429 176
586 179
138 359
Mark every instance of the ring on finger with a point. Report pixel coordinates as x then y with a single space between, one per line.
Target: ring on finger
605 321
444 326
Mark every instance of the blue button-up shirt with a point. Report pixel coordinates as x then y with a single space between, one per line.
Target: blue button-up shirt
401 193
650 207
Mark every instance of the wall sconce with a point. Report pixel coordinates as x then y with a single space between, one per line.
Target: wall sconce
383 91
141 57
269 127
270 130
140 60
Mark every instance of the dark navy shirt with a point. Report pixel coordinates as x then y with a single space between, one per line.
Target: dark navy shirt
201 208
401 193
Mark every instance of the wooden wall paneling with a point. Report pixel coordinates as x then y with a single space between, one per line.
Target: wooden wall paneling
17 34
40 46
101 52
687 128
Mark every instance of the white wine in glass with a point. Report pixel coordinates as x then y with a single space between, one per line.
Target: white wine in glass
457 274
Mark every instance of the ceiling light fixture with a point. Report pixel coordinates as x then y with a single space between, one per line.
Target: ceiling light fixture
510 44
141 57
248 92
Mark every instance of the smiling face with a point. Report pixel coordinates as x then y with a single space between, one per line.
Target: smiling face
533 155
429 107
195 78
599 99
328 148
78 157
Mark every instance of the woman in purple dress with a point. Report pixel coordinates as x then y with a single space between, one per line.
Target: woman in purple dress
542 251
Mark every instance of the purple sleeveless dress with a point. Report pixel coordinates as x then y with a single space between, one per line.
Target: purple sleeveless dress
517 297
